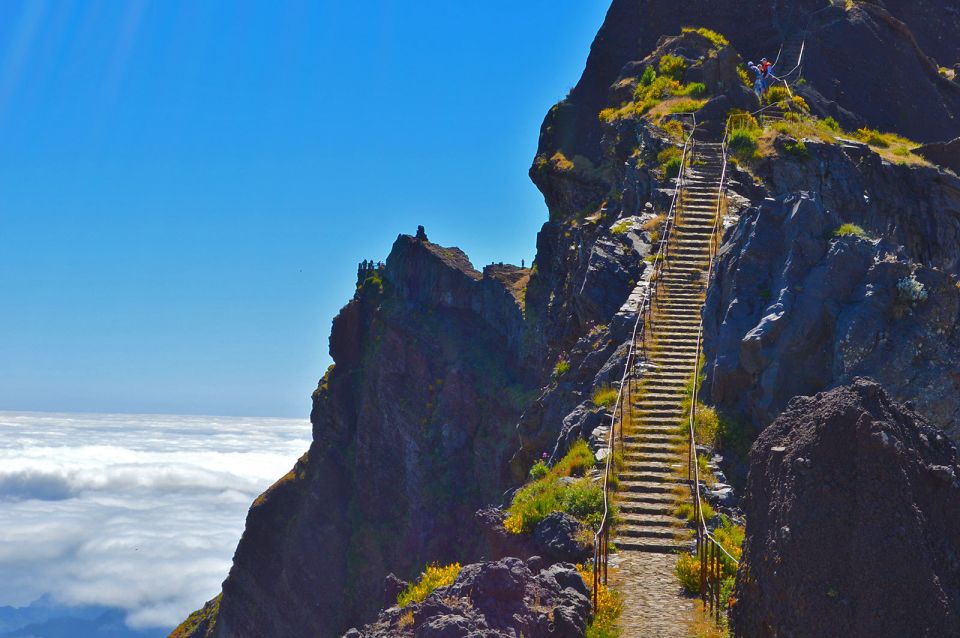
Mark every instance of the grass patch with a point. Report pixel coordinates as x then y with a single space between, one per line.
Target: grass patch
620 227
796 149
848 230
432 577
686 510
715 38
605 396
562 367
582 499
730 537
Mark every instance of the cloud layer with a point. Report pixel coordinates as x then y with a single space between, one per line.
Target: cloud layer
137 512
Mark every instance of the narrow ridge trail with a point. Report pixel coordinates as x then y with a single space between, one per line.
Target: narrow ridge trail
655 458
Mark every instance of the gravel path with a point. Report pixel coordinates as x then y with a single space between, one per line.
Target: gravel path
653 603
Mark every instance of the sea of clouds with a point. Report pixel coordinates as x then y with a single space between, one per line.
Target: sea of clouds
137 512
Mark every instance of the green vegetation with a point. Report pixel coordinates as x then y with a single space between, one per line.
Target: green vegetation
605 396
539 470
776 95
620 227
730 537
673 67
831 124
743 143
556 492
609 607
431 578
649 75
744 77
847 230
562 367
204 618
795 148
670 160
715 38
686 511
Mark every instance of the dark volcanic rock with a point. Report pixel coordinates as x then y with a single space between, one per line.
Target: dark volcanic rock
852 507
945 154
557 539
501 599
794 311
413 429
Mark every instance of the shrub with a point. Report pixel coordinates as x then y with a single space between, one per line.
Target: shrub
795 148
688 572
538 471
609 607
744 77
847 230
800 104
674 129
432 578
672 66
562 367
561 163
670 159
686 105
649 75
776 94
605 396
910 290
715 38
620 227
743 143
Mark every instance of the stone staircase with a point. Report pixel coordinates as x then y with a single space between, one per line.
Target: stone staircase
654 453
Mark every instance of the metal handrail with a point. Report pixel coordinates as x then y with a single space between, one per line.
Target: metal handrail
708 548
601 540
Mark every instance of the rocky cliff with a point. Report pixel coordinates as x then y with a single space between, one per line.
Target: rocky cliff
449 382
853 506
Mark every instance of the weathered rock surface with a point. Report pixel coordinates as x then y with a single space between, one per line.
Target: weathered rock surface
503 599
853 507
794 311
945 154
413 429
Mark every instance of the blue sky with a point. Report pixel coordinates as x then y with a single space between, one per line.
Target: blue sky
186 187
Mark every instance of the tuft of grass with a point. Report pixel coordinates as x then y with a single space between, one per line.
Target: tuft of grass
796 148
715 38
848 229
649 75
670 159
576 461
562 367
743 143
432 577
685 510
831 124
776 94
706 425
672 66
605 396
538 471
744 77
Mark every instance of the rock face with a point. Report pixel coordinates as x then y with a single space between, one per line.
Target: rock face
793 311
412 431
502 599
945 154
853 507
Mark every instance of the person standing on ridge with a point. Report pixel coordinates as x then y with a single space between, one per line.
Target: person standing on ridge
758 86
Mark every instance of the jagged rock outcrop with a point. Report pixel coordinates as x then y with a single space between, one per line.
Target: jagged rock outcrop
853 507
793 311
917 207
945 154
851 51
502 599
412 429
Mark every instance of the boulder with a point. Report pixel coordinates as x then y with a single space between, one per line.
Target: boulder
852 508
557 539
493 600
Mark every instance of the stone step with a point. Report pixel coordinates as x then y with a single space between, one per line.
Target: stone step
653 532
646 487
661 546
647 509
651 520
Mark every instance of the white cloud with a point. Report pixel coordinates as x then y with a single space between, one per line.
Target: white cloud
137 512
